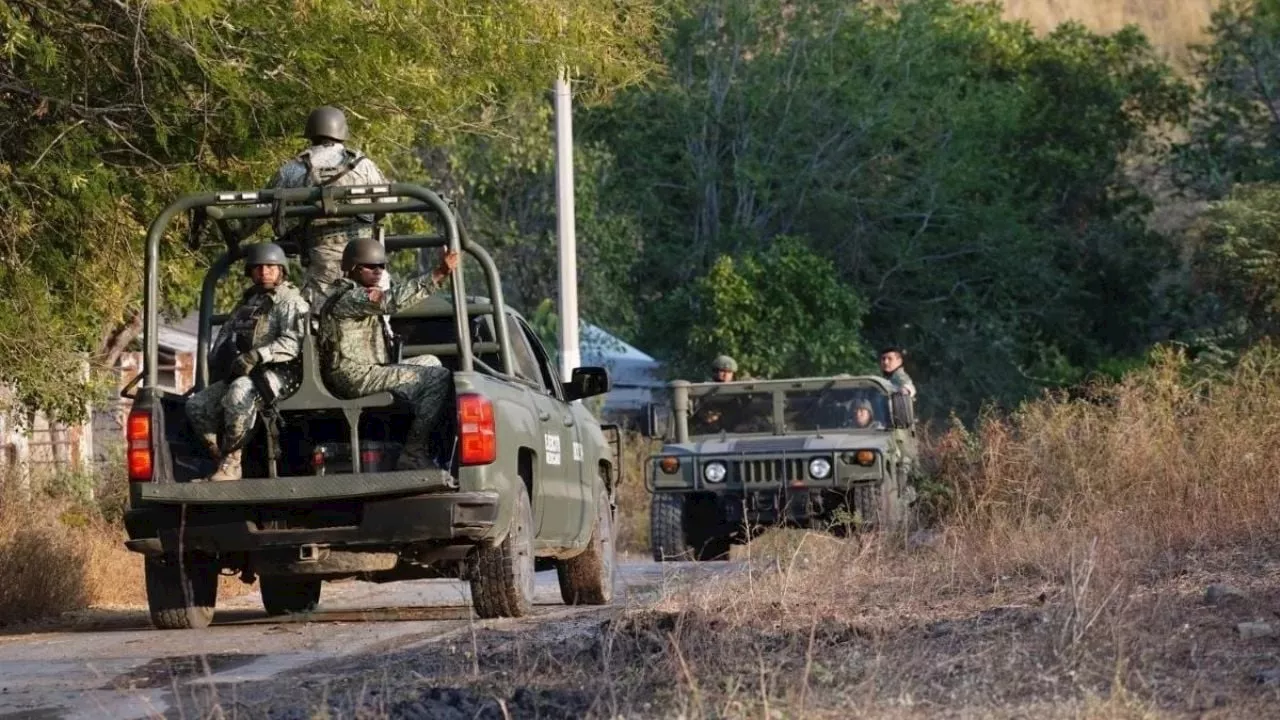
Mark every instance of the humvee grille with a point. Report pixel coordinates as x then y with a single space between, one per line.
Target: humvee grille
763 472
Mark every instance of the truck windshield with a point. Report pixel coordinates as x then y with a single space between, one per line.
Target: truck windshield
741 413
836 409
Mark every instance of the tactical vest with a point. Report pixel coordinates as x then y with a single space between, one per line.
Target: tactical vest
248 327
331 175
249 322
327 336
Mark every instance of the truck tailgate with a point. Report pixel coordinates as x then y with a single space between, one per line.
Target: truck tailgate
297 489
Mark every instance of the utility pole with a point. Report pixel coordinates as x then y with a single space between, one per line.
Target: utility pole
570 355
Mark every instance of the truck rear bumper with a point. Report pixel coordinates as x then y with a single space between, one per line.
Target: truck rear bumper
449 517
294 489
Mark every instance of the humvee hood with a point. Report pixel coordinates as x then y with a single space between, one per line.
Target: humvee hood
875 440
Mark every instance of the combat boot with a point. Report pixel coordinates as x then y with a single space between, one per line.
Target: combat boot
229 469
211 446
417 459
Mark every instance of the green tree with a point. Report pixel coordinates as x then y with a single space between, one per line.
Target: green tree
779 312
1235 133
110 110
963 175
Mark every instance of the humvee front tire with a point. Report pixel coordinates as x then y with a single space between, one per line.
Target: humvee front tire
284 595
502 576
878 509
182 592
667 539
587 579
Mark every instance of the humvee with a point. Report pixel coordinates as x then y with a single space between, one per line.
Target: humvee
527 482
754 453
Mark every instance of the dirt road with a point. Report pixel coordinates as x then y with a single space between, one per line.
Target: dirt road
111 663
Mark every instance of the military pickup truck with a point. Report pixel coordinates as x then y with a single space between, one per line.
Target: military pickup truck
815 452
529 484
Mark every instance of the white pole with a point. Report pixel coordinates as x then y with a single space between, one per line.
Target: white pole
570 357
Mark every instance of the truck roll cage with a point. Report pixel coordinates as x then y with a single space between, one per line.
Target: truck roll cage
326 202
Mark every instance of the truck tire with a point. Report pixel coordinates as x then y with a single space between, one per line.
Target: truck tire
667 539
502 579
587 579
284 595
181 592
879 511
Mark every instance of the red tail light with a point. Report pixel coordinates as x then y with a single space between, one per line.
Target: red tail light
138 441
477 435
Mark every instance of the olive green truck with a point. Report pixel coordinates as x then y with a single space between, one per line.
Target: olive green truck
528 485
737 457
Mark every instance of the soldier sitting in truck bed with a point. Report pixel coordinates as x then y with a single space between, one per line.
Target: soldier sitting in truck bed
257 351
354 353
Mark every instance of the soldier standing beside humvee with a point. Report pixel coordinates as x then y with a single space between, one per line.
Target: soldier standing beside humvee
891 359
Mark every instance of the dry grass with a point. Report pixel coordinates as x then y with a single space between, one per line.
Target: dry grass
1154 467
58 555
632 498
1172 25
1065 578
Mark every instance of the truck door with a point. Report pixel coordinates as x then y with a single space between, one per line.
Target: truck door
560 499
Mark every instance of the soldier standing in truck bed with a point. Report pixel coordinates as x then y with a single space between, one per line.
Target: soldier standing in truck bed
328 161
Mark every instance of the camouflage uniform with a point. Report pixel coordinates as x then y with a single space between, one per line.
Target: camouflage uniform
354 358
330 164
268 323
902 381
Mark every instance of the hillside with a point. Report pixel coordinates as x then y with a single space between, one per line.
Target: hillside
1171 24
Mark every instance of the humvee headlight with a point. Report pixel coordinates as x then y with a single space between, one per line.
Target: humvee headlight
820 468
865 457
669 464
714 472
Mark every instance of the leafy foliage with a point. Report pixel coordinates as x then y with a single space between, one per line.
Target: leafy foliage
1235 134
110 110
961 173
778 312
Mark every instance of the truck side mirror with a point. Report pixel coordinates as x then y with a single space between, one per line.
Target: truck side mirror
657 421
587 382
903 410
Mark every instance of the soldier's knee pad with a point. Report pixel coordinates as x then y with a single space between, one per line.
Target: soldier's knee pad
240 392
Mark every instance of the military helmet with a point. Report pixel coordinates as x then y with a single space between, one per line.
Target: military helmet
363 251
327 122
724 362
265 254
863 403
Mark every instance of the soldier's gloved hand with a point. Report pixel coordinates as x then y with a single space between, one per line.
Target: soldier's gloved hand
245 362
448 263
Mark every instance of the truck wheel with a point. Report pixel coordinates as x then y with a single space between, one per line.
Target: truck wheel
502 580
879 511
284 595
667 538
181 592
866 503
587 579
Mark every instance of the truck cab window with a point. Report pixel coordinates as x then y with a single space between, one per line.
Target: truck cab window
525 360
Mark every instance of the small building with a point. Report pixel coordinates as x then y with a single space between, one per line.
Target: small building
177 345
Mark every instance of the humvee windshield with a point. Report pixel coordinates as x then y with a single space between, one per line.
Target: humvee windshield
834 409
738 413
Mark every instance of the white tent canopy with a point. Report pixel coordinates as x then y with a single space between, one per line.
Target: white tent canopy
633 373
